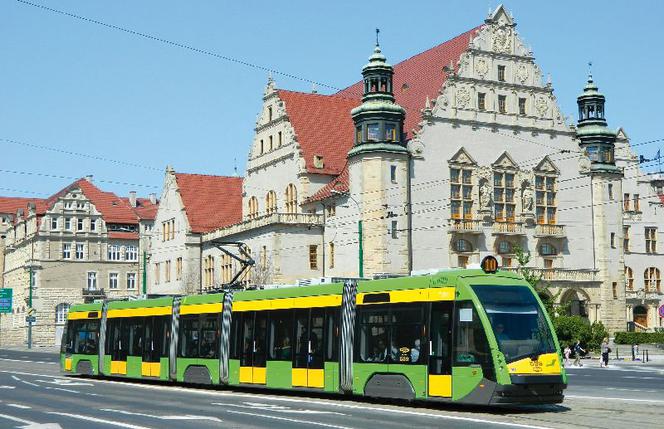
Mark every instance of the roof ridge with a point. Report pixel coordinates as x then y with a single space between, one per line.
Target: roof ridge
335 95
209 175
440 44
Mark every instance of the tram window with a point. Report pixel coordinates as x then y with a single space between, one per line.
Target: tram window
82 336
472 347
406 339
247 340
332 334
260 339
441 341
372 338
235 340
281 327
209 344
114 337
135 331
189 339
162 334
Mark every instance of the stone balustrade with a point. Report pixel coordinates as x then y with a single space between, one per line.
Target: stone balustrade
562 274
508 228
465 225
546 230
309 219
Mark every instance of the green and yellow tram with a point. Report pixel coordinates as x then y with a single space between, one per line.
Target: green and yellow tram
466 336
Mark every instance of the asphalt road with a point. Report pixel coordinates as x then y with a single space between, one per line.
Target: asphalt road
34 394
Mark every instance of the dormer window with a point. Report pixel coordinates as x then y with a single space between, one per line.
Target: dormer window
318 161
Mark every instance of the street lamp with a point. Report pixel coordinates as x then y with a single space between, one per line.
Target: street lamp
360 255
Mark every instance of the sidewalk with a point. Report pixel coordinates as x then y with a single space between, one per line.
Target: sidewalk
25 349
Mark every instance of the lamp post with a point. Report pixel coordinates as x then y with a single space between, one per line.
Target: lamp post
360 255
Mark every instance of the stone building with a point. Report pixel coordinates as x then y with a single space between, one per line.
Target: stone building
80 244
455 153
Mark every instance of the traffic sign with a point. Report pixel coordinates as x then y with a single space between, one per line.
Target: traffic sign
30 319
661 310
6 300
31 311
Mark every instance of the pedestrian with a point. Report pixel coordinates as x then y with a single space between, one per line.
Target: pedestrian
566 353
577 353
604 361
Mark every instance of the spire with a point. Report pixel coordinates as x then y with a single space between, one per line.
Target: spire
377 31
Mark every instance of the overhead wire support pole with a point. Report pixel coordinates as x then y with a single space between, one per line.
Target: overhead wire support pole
242 249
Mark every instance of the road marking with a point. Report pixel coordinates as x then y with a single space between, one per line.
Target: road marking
16 419
286 419
630 390
23 381
654 401
96 420
28 361
276 408
184 417
61 389
43 426
64 382
7 387
23 407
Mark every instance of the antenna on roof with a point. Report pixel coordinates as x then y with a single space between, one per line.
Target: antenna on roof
377 31
590 70
235 167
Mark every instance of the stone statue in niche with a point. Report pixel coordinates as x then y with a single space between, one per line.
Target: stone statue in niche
485 195
527 198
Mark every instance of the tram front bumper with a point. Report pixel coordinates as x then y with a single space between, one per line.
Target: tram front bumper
530 389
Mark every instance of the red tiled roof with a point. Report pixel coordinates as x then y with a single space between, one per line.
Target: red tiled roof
420 76
210 202
123 235
339 184
323 126
144 208
9 205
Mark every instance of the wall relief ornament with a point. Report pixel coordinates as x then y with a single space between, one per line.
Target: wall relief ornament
522 73
486 196
502 40
462 97
541 105
481 68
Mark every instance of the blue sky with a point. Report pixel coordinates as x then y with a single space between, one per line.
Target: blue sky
75 86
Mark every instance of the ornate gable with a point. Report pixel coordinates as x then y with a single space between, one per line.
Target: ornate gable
505 161
547 166
462 157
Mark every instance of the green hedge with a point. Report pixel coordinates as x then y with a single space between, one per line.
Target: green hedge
639 338
572 328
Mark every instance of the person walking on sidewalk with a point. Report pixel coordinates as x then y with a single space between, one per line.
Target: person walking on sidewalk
577 353
567 352
604 361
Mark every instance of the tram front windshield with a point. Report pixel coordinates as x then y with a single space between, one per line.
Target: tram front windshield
517 320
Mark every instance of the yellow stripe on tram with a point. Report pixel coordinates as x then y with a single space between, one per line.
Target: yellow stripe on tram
286 303
409 295
138 312
79 315
201 308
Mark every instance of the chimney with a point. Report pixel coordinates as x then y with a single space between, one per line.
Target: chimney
31 208
132 198
153 198
89 178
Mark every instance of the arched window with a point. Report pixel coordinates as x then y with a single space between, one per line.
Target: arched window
547 249
61 313
651 280
253 208
629 278
462 245
271 202
291 199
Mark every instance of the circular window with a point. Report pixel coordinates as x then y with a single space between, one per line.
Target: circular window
547 250
504 247
462 245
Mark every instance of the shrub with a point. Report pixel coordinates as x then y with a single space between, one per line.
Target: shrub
639 338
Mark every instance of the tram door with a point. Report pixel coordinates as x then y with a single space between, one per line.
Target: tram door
118 345
308 359
440 356
153 338
253 357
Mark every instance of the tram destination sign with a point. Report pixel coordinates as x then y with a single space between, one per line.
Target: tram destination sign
6 300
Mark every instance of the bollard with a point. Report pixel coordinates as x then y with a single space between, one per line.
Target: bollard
633 357
617 357
647 356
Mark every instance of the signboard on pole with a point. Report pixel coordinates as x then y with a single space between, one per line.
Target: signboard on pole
661 310
6 300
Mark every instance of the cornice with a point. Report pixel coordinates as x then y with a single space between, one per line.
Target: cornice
509 127
275 160
272 123
502 85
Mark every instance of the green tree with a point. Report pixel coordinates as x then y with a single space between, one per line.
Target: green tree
535 280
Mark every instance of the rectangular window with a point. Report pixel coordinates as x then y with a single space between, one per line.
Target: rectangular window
68 223
92 280
331 255
503 196
651 240
79 251
545 199
373 132
113 252
54 223
548 263
93 225
502 104
614 287
481 101
178 268
610 192
79 224
390 132
313 257
393 173
279 139
208 270
501 73
463 261
167 271
626 202
271 143
613 240
66 251
637 206
131 281
358 135
522 106
113 280
131 253
626 239
395 229
156 273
